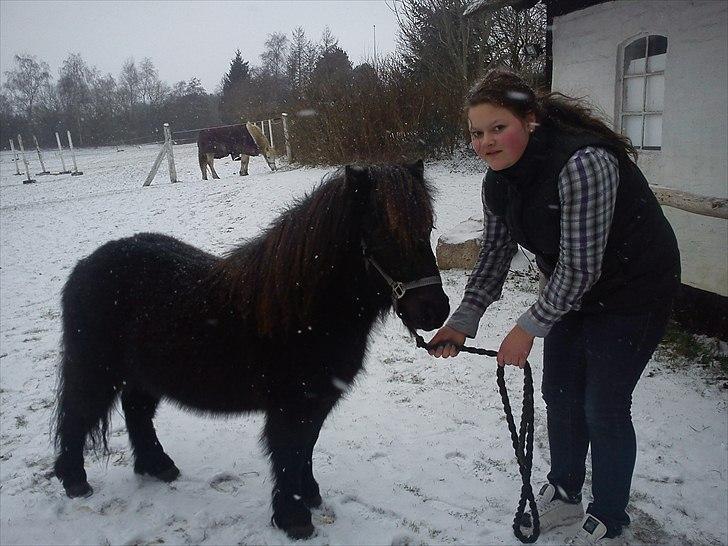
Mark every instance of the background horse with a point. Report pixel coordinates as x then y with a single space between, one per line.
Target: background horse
279 325
237 141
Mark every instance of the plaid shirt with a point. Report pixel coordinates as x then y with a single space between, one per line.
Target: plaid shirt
587 193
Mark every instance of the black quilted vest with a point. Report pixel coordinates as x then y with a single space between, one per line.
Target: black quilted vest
641 264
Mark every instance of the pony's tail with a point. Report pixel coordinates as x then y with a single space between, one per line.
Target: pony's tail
86 390
67 422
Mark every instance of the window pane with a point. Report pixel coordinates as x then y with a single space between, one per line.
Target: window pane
633 94
655 93
657 63
632 127
634 57
657 45
653 131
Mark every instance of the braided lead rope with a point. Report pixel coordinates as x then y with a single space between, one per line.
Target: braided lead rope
522 442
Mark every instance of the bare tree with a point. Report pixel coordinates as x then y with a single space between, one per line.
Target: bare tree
130 84
274 56
151 89
74 90
26 83
518 39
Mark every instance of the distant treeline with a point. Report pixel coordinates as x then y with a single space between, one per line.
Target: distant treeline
406 105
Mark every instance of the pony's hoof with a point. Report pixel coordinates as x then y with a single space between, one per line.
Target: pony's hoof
164 470
295 527
79 490
298 532
312 502
168 475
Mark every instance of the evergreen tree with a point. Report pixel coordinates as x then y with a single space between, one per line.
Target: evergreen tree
234 96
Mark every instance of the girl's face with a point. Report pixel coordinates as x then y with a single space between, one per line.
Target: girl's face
498 136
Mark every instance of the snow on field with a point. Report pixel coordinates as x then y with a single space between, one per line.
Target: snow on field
418 452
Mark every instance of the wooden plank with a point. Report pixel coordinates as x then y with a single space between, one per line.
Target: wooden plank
717 207
155 167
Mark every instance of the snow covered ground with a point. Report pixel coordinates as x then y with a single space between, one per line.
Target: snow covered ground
418 452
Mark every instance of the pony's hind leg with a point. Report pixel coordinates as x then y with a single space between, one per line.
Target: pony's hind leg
211 164
202 159
83 410
149 457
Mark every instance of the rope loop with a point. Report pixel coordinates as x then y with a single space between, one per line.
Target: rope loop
522 441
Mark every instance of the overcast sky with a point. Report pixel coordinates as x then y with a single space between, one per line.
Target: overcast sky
183 38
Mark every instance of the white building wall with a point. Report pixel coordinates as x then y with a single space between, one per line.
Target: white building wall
694 157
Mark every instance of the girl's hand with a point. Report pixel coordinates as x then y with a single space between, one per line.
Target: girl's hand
515 348
450 338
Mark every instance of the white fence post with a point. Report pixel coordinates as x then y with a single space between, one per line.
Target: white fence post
25 161
285 136
166 150
270 132
155 167
170 154
60 153
40 158
75 172
15 155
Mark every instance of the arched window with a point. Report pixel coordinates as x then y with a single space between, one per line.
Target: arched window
643 91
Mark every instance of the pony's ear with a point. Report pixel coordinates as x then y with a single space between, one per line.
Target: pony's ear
357 179
417 169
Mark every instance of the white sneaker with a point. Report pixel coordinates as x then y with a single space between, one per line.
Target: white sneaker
554 512
593 532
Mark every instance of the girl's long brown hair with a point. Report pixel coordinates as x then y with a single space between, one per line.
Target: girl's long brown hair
507 89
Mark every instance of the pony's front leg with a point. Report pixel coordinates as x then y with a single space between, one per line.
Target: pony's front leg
244 160
310 492
288 435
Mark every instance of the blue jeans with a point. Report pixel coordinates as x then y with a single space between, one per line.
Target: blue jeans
590 368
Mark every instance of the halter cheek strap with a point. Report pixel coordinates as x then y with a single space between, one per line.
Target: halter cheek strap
398 288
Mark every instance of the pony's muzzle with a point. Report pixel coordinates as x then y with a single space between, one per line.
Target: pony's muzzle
425 308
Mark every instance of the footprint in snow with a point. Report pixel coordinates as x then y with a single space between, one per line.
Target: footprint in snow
113 507
324 515
226 482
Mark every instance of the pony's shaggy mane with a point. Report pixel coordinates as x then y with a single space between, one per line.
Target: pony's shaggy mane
259 138
279 275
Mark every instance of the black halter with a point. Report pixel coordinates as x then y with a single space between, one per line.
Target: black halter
398 288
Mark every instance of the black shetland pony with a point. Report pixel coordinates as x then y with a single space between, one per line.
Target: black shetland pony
279 325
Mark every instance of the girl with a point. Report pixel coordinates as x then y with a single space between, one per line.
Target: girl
561 184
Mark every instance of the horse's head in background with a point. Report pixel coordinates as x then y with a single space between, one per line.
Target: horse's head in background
264 146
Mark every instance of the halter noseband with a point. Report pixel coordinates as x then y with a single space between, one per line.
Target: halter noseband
398 288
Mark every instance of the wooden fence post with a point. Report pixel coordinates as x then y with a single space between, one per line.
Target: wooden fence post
60 153
166 150
75 172
170 154
284 116
25 161
15 155
40 158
